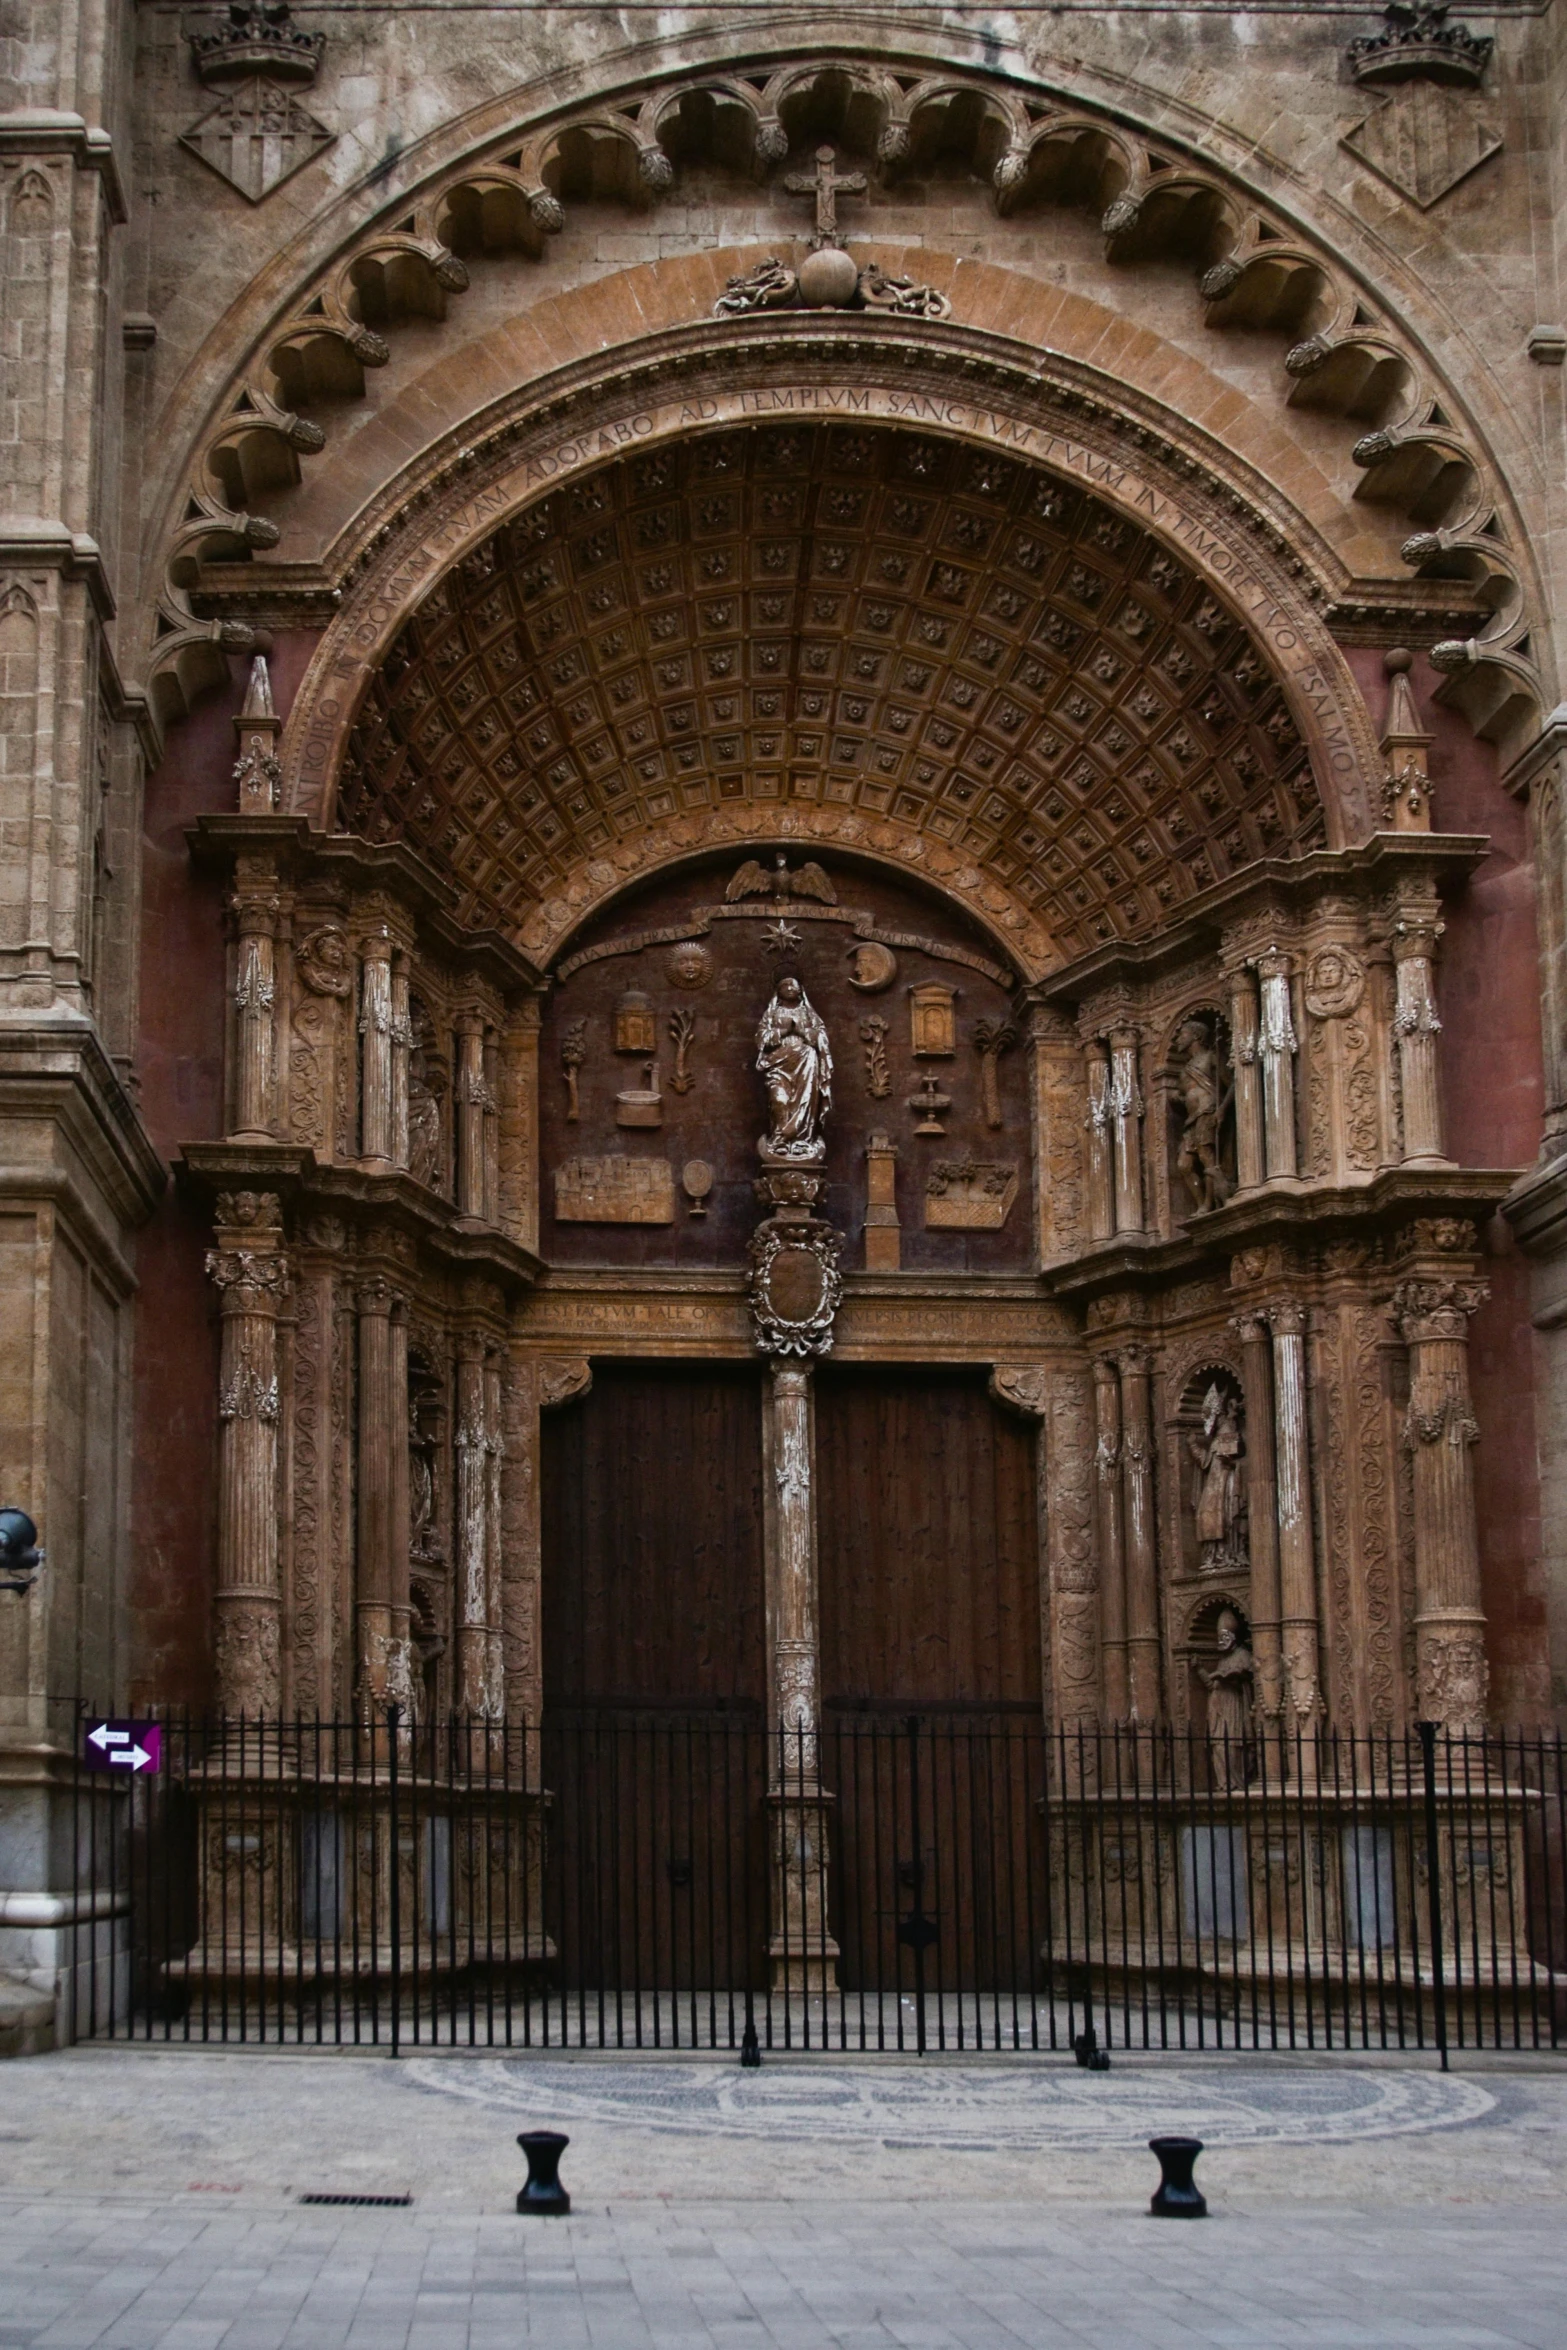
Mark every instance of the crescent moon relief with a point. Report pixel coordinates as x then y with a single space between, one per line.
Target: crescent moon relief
875 967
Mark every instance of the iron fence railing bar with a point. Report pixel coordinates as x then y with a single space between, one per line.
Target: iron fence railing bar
947 1880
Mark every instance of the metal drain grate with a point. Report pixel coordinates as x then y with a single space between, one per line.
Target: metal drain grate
384 2199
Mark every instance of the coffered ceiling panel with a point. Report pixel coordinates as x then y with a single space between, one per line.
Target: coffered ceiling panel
946 641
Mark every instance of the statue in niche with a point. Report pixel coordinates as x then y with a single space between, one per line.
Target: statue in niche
1218 1501
424 1103
423 1444
795 1060
1230 1681
1202 1099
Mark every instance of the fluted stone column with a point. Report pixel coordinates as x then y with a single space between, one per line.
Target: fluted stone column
1100 1155
375 1029
1250 1153
1126 1112
1441 1430
802 1950
1142 1574
1112 1555
256 905
1262 1505
1416 1028
1276 1045
1297 1564
251 1275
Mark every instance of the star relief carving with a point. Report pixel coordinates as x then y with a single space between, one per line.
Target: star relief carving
257 136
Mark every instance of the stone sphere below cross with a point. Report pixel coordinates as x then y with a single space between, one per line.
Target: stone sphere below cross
828 278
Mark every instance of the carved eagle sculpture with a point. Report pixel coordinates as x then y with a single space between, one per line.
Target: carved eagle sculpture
754 881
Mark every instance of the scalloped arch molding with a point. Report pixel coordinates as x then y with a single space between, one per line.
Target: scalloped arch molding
500 189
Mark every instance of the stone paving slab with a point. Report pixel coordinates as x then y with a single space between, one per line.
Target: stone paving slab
148 2201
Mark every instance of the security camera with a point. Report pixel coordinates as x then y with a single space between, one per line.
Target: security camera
20 1553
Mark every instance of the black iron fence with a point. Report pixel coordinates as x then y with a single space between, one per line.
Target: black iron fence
890 1880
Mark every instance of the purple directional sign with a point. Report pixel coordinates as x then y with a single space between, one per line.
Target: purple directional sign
132 1747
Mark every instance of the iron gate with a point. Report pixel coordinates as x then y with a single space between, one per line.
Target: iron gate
891 1880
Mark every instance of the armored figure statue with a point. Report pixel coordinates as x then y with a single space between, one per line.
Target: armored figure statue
1204 1098
795 1059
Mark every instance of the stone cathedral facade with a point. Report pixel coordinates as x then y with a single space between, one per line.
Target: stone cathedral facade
781 865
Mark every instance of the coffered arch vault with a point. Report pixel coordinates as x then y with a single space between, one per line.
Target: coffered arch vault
968 652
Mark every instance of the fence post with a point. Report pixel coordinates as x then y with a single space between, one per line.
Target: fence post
395 1888
1427 1732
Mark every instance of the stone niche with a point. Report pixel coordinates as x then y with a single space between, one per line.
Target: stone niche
867 949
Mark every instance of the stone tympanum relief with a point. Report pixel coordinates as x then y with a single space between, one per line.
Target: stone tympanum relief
778 1046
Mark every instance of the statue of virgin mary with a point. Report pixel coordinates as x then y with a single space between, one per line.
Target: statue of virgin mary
795 1059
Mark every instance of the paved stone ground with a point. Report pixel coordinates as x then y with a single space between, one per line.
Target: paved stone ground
149 2201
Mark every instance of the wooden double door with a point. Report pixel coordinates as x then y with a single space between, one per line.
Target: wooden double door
656 1669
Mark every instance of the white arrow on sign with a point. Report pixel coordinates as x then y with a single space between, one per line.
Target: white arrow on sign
103 1737
137 1759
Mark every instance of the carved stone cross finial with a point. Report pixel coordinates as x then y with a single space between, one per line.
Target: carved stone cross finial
826 184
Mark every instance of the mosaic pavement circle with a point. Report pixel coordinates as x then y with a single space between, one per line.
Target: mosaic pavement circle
990 2108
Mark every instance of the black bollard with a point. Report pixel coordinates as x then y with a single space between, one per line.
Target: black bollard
1089 2054
750 2047
1178 2195
543 2196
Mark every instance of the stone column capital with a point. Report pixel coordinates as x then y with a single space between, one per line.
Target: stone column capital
1428 1311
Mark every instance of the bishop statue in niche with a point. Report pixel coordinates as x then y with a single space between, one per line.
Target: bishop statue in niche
795 1059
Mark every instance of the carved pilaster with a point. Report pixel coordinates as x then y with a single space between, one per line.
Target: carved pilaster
256 905
401 1039
251 1275
375 1052
518 1127
1112 1554
1262 1510
1432 1312
258 772
472 1102
1249 1156
472 1527
382 1597
1059 1171
1067 1475
1099 1148
1142 1574
1297 1563
1405 782
1276 1047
